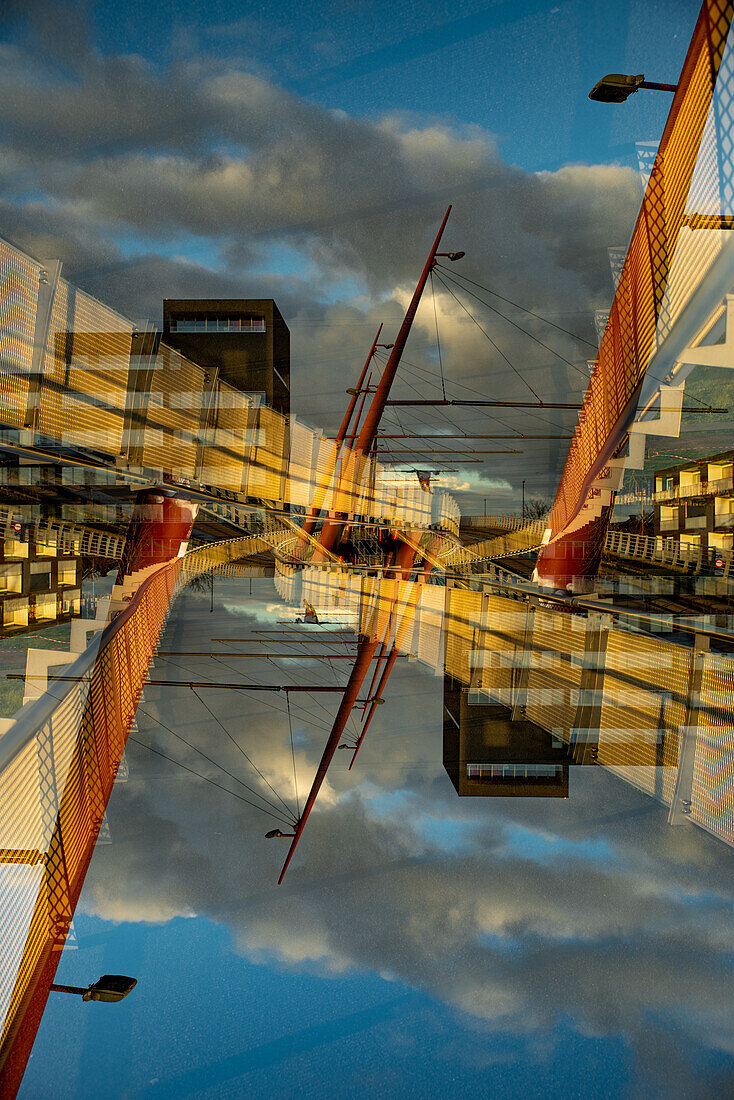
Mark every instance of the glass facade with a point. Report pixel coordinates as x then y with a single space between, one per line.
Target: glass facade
513 771
217 324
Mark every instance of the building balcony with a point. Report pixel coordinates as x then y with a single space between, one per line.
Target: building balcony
696 489
668 525
721 485
15 549
666 494
15 614
724 520
696 523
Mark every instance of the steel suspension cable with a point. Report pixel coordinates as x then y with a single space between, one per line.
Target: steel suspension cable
486 334
509 320
523 309
531 313
206 779
238 746
274 808
293 755
438 340
310 717
415 369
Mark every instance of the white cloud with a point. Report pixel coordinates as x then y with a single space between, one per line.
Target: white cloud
530 919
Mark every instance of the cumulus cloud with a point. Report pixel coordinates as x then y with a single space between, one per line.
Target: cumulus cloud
518 913
204 178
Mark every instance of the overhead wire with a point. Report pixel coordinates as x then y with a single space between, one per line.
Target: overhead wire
293 754
221 768
510 321
255 679
484 332
206 779
309 715
523 309
438 339
316 702
581 339
542 419
238 746
414 368
486 416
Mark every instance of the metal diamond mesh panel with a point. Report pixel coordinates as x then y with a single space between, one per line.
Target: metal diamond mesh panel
54 791
629 339
712 798
645 697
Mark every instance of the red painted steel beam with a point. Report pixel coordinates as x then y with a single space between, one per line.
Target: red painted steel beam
491 404
353 436
373 707
386 671
160 529
366 653
315 510
352 473
367 650
377 407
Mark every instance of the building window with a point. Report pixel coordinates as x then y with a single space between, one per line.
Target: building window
513 771
217 324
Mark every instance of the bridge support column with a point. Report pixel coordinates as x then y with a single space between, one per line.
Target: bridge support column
159 530
570 563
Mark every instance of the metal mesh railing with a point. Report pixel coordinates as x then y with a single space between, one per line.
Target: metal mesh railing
643 310
58 763
70 538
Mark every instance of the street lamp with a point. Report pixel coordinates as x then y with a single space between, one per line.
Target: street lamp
110 988
276 832
617 87
453 256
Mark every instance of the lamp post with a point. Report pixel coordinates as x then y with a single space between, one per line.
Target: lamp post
109 988
617 87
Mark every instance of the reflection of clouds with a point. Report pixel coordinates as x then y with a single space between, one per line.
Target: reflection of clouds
592 909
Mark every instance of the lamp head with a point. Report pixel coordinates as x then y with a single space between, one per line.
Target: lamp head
615 87
110 988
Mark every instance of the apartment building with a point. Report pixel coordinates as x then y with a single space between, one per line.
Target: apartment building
694 502
40 582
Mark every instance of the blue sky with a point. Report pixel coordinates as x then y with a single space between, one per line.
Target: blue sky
521 71
421 944
307 152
